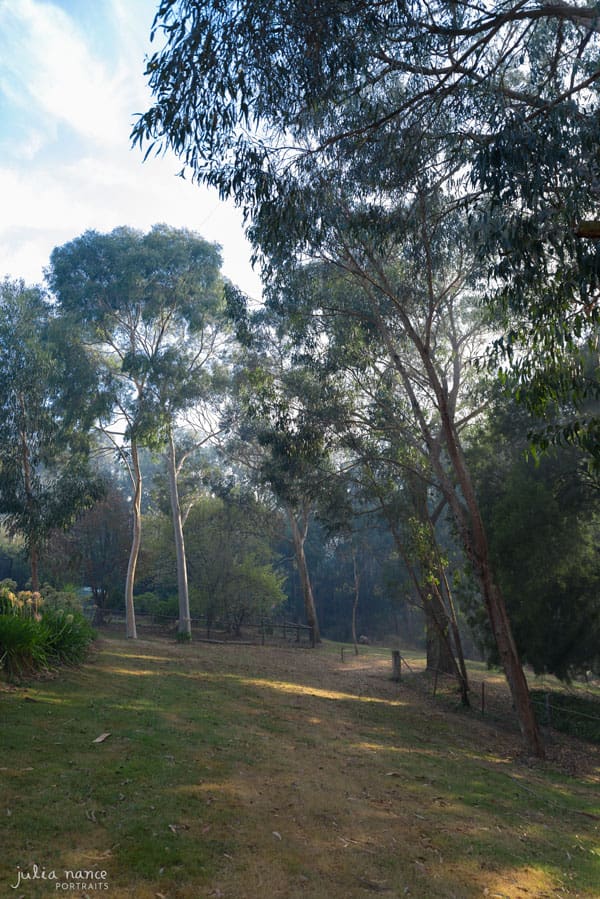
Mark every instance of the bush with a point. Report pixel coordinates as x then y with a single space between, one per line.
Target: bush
157 606
22 646
31 641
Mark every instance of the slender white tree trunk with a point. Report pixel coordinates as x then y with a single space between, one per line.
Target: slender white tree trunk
136 511
184 625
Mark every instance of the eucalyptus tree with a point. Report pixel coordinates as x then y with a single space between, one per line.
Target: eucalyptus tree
258 99
48 400
150 306
274 435
395 363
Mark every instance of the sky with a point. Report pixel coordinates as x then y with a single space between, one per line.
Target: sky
71 83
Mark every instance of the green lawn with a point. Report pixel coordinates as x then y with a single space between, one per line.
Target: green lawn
252 773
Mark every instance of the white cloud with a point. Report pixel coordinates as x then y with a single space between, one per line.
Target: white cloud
71 94
63 81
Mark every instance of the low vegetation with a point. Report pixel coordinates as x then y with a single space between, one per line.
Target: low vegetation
35 636
246 772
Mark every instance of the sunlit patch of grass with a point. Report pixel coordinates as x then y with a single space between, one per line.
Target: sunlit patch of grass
132 672
306 690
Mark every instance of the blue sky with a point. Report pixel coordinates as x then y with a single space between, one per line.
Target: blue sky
71 81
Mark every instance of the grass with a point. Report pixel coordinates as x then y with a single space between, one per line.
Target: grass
256 773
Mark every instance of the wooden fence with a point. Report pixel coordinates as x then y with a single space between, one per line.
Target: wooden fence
262 631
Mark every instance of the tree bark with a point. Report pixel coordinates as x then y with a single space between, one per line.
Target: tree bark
34 564
34 555
299 539
439 653
476 545
184 625
136 511
356 597
468 518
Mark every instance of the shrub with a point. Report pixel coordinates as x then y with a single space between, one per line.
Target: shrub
30 641
22 646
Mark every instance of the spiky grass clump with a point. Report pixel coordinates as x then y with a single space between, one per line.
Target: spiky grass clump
23 648
67 636
32 640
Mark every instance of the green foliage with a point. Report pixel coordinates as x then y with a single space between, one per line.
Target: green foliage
499 103
542 520
231 562
67 636
23 646
39 632
48 399
93 551
151 302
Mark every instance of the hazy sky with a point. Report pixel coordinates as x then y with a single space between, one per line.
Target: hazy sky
71 81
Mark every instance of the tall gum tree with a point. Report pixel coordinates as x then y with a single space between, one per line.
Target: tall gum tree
149 305
386 415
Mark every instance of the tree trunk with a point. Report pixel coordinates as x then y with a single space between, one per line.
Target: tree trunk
439 652
356 597
459 654
184 625
474 539
476 545
34 556
34 559
136 511
299 538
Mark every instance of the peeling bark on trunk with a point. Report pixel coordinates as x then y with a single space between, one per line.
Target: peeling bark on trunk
299 539
184 625
136 511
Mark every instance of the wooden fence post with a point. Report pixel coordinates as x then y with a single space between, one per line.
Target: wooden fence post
396 665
